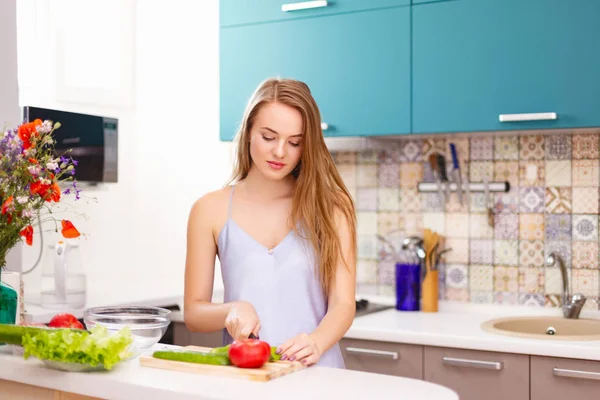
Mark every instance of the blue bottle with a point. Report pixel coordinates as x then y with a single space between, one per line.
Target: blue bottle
408 286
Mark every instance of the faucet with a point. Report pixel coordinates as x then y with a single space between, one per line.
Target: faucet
571 305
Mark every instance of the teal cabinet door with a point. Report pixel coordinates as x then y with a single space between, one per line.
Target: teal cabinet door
428 1
357 66
236 12
477 62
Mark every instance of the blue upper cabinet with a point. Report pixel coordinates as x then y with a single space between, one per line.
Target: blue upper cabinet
476 63
237 12
427 1
357 66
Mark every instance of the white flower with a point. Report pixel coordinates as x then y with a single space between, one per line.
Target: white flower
34 169
45 181
28 212
45 127
22 199
52 165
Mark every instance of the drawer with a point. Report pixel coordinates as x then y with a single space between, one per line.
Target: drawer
396 359
236 12
477 375
559 378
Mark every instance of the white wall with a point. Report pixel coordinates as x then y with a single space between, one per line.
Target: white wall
9 108
169 151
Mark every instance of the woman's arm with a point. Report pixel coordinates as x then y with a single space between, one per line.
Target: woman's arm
341 306
200 314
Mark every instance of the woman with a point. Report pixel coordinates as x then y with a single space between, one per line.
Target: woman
284 233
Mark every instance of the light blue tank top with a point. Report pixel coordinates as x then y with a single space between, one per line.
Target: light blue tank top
280 283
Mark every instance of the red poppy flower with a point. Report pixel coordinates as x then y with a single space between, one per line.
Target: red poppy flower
53 193
7 203
68 230
27 233
26 131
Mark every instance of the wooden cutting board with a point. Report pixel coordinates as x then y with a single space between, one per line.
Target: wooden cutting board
267 372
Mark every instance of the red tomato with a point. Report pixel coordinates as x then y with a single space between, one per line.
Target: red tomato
65 321
249 353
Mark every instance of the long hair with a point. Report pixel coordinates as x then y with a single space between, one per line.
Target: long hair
319 190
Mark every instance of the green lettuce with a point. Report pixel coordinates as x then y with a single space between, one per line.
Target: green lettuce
91 348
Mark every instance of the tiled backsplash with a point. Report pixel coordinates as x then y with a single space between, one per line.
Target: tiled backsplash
552 205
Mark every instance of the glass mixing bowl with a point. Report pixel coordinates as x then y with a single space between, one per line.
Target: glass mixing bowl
147 324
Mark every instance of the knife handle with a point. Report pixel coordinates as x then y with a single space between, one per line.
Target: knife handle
454 156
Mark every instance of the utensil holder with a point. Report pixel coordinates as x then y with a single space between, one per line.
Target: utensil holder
408 286
430 292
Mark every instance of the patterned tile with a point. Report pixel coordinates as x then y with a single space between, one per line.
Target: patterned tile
531 199
585 255
585 173
585 227
366 176
477 202
482 251
460 251
506 148
506 226
507 171
507 203
387 222
558 200
553 280
506 252
388 199
531 147
457 225
481 297
457 276
388 156
478 169
431 146
457 294
348 174
411 224
366 199
532 173
531 253
431 202
506 279
506 298
558 173
346 157
531 299
558 227
585 200
410 174
368 247
552 300
368 157
481 278
478 224
428 173
531 280
482 148
410 200
462 150
585 146
585 281
410 151
453 204
366 271
435 221
563 248
558 147
366 223
531 226
389 175
386 273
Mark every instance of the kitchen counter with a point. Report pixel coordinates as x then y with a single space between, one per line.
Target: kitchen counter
131 381
458 325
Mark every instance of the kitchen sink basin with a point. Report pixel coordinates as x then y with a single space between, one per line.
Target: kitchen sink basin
554 328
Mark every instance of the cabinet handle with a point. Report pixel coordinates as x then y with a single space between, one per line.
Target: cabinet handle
324 126
571 373
372 352
461 362
303 5
527 117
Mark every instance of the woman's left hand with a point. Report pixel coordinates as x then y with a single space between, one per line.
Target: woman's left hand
300 348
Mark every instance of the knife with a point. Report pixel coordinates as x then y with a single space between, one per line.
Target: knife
433 161
441 160
456 173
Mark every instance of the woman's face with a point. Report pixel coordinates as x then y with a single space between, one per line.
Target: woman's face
276 140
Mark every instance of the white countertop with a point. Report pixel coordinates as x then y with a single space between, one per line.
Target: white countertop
459 325
130 381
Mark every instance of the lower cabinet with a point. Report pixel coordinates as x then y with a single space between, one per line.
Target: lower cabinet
182 336
396 359
560 378
476 375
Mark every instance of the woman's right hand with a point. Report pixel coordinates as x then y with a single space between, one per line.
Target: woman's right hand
242 320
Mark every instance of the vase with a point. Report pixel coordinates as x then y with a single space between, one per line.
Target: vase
8 301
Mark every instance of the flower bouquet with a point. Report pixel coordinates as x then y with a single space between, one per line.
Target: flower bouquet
30 171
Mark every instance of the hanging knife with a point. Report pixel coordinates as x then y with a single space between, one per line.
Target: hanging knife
456 173
433 161
443 174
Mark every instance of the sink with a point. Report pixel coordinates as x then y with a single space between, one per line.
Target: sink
553 328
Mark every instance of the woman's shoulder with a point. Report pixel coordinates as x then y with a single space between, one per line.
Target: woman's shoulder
211 203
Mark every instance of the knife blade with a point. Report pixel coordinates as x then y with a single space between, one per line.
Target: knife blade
456 173
433 162
443 174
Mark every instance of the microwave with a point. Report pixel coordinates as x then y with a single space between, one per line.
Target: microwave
92 139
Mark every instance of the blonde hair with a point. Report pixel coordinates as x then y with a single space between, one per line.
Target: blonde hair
319 190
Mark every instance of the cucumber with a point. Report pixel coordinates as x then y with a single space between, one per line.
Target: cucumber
193 357
13 334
